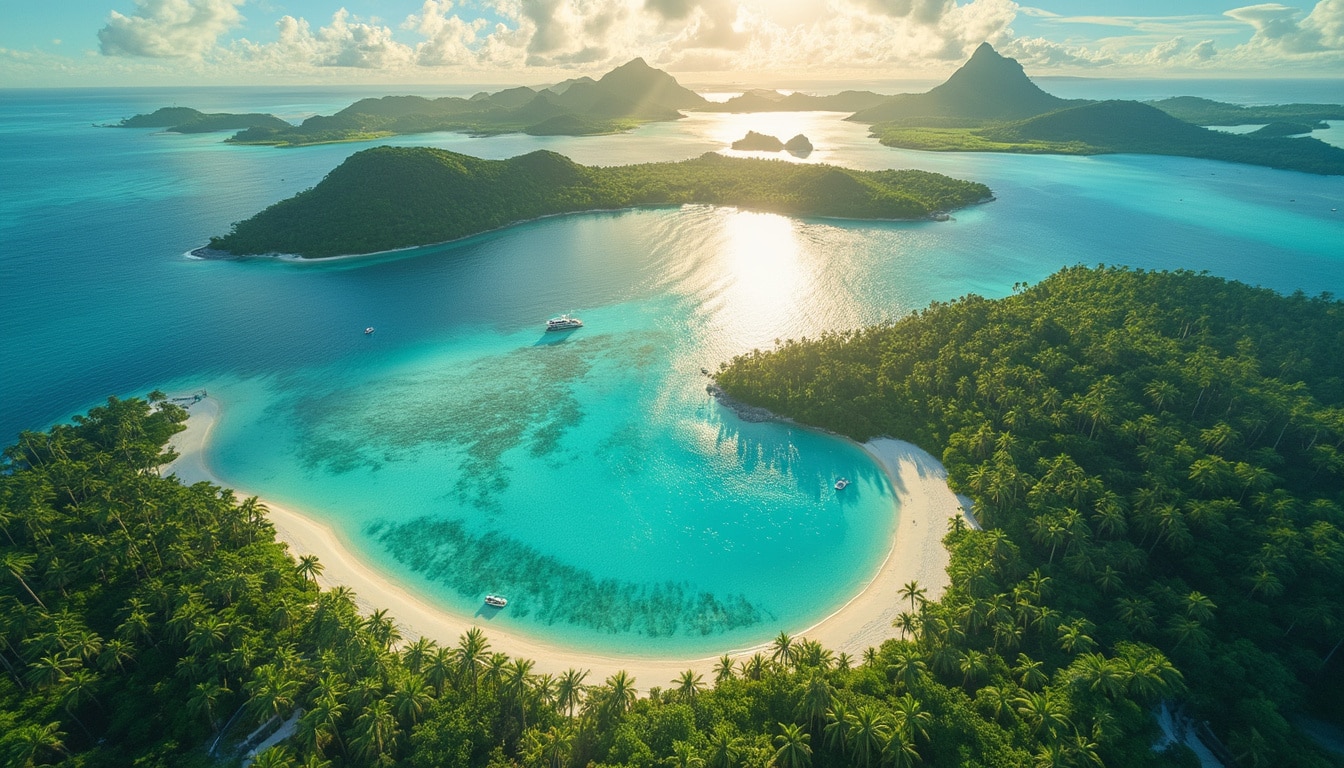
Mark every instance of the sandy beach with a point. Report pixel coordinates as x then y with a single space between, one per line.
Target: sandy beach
864 620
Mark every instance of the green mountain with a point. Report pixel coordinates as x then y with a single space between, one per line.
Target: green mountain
774 101
188 120
394 197
630 94
1193 109
987 87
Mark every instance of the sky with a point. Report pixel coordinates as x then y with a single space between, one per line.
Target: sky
52 43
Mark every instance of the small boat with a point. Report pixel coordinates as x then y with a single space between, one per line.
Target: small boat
841 484
368 330
563 323
496 601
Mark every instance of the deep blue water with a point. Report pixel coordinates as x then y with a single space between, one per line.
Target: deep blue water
462 449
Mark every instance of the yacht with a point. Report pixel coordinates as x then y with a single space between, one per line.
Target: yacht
563 323
368 330
496 601
841 484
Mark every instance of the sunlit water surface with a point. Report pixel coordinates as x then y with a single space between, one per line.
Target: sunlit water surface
587 475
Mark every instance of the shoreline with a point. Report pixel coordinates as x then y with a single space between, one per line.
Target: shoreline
863 620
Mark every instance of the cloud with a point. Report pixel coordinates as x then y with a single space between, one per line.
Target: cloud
345 42
921 11
1278 29
449 40
169 29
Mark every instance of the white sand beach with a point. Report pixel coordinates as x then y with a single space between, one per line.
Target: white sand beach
917 554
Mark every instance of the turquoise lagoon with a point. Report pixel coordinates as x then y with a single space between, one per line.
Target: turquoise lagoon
587 475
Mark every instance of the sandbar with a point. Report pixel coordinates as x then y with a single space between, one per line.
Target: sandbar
863 620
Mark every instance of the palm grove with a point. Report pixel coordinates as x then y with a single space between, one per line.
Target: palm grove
1155 456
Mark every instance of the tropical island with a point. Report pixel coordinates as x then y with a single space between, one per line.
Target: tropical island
759 142
188 120
1155 458
990 105
386 198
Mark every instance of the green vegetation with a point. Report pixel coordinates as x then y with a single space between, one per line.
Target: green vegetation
387 197
188 120
623 98
758 100
1156 457
150 624
1193 109
1121 126
1272 130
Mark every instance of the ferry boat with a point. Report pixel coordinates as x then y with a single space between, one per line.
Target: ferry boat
496 601
563 323
841 484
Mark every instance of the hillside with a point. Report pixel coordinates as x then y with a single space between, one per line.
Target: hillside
622 98
387 197
774 101
988 87
188 120
1199 111
1161 451
1121 127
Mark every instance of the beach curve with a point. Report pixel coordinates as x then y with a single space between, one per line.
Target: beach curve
864 620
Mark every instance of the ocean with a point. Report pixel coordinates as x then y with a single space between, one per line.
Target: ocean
588 475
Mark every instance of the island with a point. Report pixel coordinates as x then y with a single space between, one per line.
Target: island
188 120
395 197
1154 460
799 145
1157 460
623 98
990 105
758 142
761 100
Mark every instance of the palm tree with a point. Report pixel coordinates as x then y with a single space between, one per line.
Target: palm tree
309 568
907 668
277 756
783 650
471 648
911 720
899 751
621 692
1199 607
869 734
689 685
204 697
1030 673
569 691
974 667
843 662
724 749
440 668
838 725
816 701
415 654
555 746
375 733
517 676
18 563
410 700
754 668
912 591
32 740
794 750
723 670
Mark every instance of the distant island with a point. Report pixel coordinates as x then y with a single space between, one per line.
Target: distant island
625 97
990 105
188 120
396 197
799 145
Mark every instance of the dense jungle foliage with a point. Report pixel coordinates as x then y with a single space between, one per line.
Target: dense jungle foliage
146 623
1109 127
1164 450
393 197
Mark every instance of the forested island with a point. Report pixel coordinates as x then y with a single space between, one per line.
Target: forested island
990 105
1155 458
1158 458
188 120
389 197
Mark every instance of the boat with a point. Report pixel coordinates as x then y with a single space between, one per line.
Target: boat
563 323
496 601
841 484
368 330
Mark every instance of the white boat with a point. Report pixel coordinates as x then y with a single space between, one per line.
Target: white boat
368 330
496 601
563 323
841 484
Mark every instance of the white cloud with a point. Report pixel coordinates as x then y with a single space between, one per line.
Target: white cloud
169 28
1278 29
449 40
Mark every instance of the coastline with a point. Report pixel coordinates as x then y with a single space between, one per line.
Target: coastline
865 619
